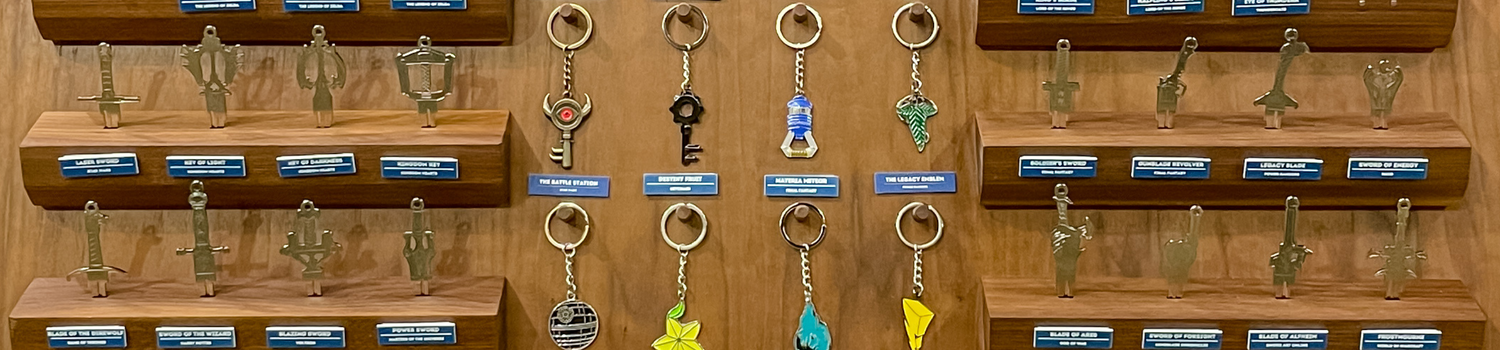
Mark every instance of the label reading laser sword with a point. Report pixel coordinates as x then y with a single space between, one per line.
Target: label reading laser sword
91 165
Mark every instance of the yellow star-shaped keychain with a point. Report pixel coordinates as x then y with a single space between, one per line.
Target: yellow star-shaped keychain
680 336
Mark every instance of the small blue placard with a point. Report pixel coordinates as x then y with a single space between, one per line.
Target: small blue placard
681 184
1169 168
1160 338
1055 7
206 166
821 186
429 4
1283 169
567 185
319 337
421 168
86 337
1073 338
1158 7
1387 168
1059 166
316 165
916 182
320 5
91 165
215 5
195 337
429 333
1271 7
1406 339
1264 339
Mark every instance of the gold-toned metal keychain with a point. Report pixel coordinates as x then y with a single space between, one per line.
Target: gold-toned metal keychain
418 249
918 316
914 109
799 109
96 271
681 336
687 108
573 323
812 332
319 54
566 113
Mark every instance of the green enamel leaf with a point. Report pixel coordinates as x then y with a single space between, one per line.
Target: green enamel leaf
677 311
915 115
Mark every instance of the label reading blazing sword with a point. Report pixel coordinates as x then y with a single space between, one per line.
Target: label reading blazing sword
90 337
429 4
821 186
215 5
681 184
916 182
1283 169
1413 339
1206 339
1271 7
206 166
1387 168
319 337
90 165
567 185
195 337
316 165
1169 168
1073 338
1059 166
320 5
430 333
422 168
1055 7
1263 339
1155 7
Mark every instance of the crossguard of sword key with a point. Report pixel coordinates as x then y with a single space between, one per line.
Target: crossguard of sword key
106 269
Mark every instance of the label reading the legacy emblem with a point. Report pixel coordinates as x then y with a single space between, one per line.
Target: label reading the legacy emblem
1387 168
567 185
86 337
195 337
1153 7
429 5
1314 339
424 168
90 165
1169 168
430 333
305 337
1412 339
316 165
206 166
681 184
1073 338
1055 7
1271 7
1208 339
1283 169
320 5
215 5
824 186
1059 166
916 182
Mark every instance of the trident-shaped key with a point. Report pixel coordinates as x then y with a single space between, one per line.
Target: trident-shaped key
1179 254
1400 257
109 103
310 246
686 111
205 265
214 79
1060 91
1169 89
418 249
1288 260
1382 81
423 59
1276 101
1067 242
320 52
96 272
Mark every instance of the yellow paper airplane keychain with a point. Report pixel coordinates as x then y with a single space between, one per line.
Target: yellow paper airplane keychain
918 316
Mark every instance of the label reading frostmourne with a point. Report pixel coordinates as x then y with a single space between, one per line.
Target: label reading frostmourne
567 185
429 4
1283 169
206 166
1263 339
1055 7
680 184
316 337
91 165
215 5
1059 166
1271 7
1387 168
89 337
320 5
1156 7
822 186
195 337
1169 168
1207 339
419 168
1405 339
1073 338
429 333
916 182
316 165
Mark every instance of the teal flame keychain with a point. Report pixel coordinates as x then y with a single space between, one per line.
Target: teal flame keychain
812 332
681 336
914 109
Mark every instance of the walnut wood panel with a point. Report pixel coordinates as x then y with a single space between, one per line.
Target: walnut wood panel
1331 26
119 22
475 138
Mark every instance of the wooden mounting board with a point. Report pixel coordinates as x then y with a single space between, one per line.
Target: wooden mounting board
476 138
472 303
1227 139
1128 305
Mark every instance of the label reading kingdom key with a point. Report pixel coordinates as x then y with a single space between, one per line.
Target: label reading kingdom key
1073 338
1205 339
319 337
86 337
195 337
420 168
1387 168
316 165
429 333
91 165
1312 339
1055 7
1059 166
1283 169
1409 339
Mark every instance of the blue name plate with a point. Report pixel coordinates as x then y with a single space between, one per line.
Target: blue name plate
1271 7
320 5
91 165
1412 339
195 337
215 5
567 185
1283 169
430 333
305 337
1315 339
1073 338
429 5
1169 168
916 182
1207 339
316 165
1387 168
1055 7
424 168
206 166
86 337
1155 7
822 186
681 184
1059 166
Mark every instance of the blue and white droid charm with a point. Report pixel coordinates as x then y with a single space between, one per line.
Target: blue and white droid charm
799 109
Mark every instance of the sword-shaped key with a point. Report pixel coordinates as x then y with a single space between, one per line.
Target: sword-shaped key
419 250
1382 81
1288 260
321 52
205 265
1400 257
214 79
310 246
1169 89
422 59
1067 242
1179 254
109 103
96 272
686 111
1060 91
1276 101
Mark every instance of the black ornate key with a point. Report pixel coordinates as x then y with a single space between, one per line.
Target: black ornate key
686 111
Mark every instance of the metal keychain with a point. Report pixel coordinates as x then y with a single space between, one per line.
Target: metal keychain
96 271
1178 255
566 113
1289 258
205 264
109 102
915 108
1060 91
573 323
1276 101
812 332
1169 89
310 246
799 109
418 249
1067 242
681 335
423 59
687 108
213 85
1382 80
320 53
1400 257
918 316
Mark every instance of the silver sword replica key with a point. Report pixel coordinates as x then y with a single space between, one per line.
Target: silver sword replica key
423 59
1060 91
1276 101
1169 89
320 53
418 249
310 246
1288 260
1382 81
205 265
109 102
96 271
1400 257
214 79
1179 254
1067 242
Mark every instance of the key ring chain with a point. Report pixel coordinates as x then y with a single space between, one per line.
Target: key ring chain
692 9
918 316
812 332
587 33
567 114
681 335
573 323
799 108
686 108
916 108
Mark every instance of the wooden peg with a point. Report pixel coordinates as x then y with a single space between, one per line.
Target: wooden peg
683 213
684 13
801 213
566 215
799 14
922 214
918 13
568 14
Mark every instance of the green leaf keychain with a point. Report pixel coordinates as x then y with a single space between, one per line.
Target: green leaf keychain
914 109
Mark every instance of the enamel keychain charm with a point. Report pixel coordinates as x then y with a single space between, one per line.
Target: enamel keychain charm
681 336
812 332
573 323
566 113
686 109
918 316
914 109
799 109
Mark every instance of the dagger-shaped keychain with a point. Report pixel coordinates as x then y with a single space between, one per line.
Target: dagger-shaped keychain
686 109
1060 91
1276 101
799 109
812 332
109 102
681 336
1400 257
310 246
205 265
418 249
918 316
1169 89
1067 242
1288 260
1179 254
566 113
914 109
96 271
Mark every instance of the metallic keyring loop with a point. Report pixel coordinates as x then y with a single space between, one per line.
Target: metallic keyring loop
1291 34
547 226
418 203
822 231
818 18
911 207
701 232
586 32
930 38
667 18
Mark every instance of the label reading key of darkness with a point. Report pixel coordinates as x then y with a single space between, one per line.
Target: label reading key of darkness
429 4
422 168
86 337
1206 339
91 165
1055 7
1154 7
916 182
215 5
195 337
567 185
429 333
1413 339
820 186
1271 7
1059 166
1283 169
1169 168
316 165
320 5
1073 338
1387 168
322 337
681 184
206 166
1314 339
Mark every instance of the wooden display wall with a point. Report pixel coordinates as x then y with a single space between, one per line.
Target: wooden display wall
744 279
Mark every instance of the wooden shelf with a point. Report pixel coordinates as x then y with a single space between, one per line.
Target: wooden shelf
476 138
161 22
1331 26
472 303
1015 306
1227 139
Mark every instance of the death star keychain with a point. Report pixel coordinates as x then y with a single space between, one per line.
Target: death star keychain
573 323
918 316
914 109
812 332
681 336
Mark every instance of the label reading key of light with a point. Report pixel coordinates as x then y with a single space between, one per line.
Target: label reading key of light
206 166
1154 7
429 4
1283 169
1073 338
1271 7
1055 7
422 168
820 186
1169 168
681 184
215 5
316 165
1206 339
320 5
1264 339
321 337
916 182
430 333
86 337
195 337
1413 339
567 185
1387 168
1059 166
91 165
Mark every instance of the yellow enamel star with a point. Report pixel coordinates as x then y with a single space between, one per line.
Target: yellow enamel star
917 319
680 336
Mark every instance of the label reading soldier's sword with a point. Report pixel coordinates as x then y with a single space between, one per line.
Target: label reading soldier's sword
1059 166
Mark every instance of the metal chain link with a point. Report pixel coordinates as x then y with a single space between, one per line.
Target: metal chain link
427 77
806 276
568 74
572 287
916 274
687 75
682 278
801 71
916 75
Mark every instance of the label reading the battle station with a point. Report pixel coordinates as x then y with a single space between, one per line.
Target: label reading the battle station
681 184
1407 339
91 165
1271 7
206 166
420 168
567 185
195 337
1169 168
316 165
429 4
1055 7
429 333
215 5
320 5
1313 339
823 186
1387 168
1283 169
1059 166
916 182
1205 339
1073 338
86 337
318 337
1156 7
